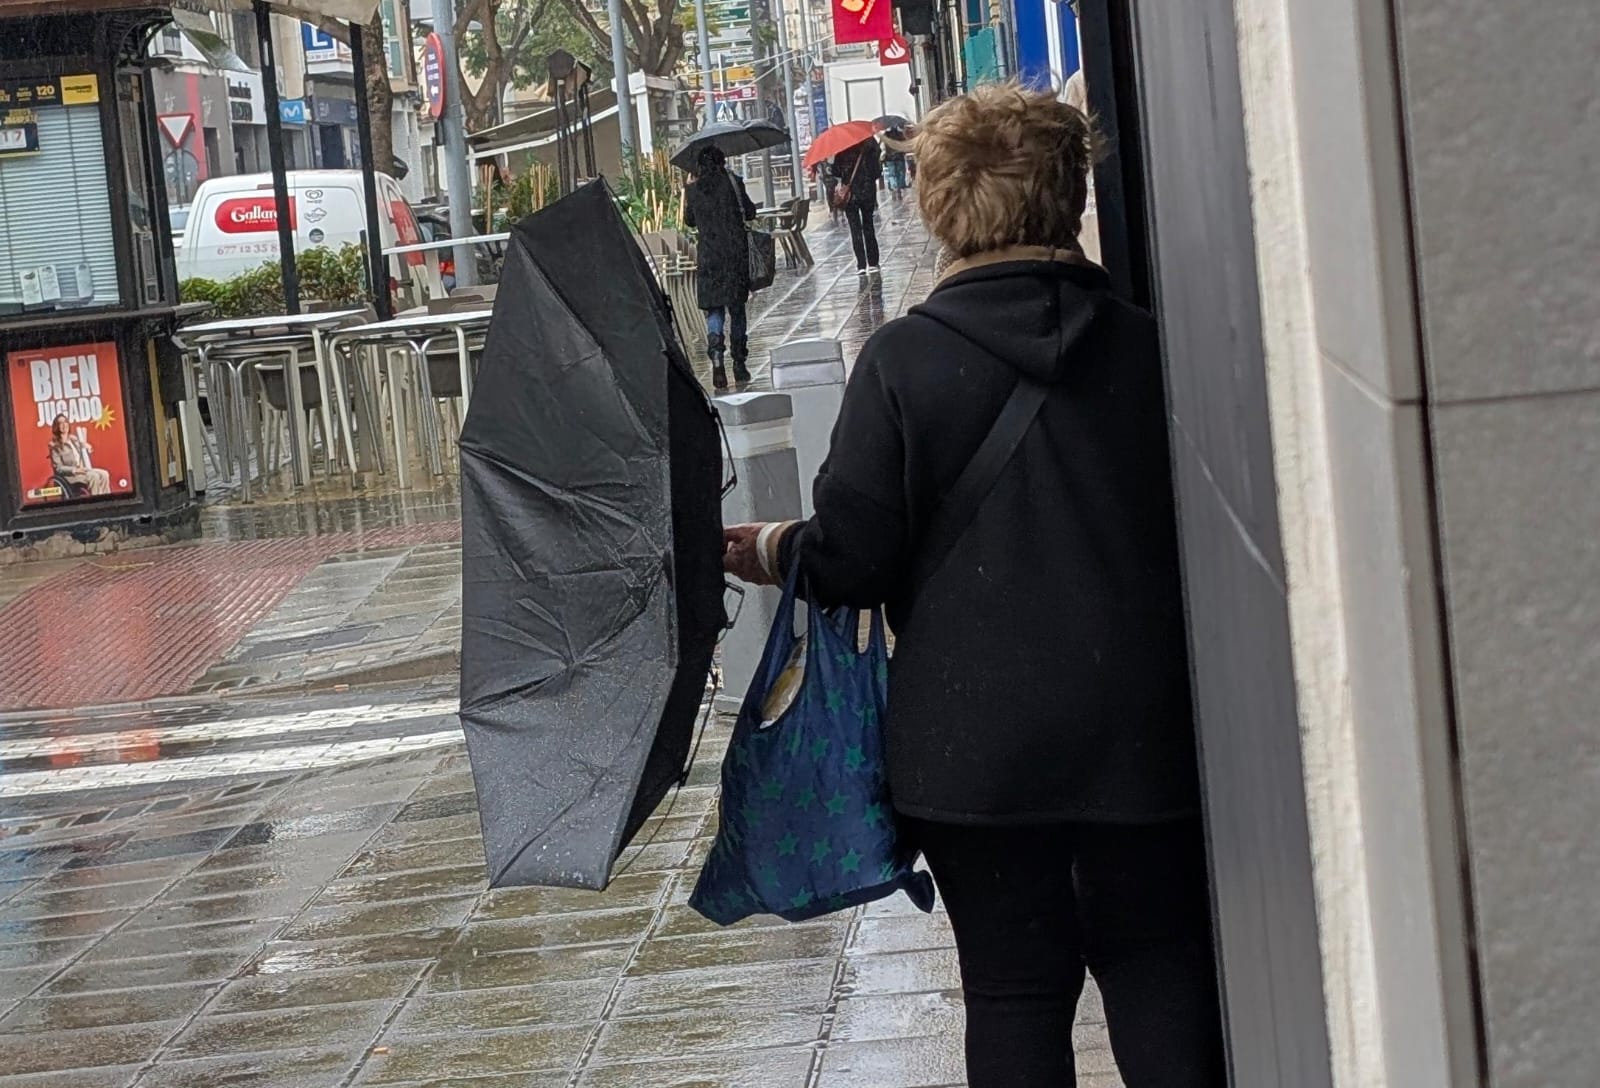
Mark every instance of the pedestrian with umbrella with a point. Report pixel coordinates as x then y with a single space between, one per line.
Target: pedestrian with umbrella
895 147
717 206
854 167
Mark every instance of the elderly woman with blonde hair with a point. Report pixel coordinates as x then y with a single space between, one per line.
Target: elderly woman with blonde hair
999 480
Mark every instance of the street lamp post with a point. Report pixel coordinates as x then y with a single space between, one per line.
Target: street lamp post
704 35
458 176
788 98
619 65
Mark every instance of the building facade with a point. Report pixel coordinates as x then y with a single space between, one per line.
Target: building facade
210 100
1368 231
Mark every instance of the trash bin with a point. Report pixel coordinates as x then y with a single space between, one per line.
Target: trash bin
760 436
812 373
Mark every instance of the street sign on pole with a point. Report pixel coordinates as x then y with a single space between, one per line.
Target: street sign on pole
176 126
433 75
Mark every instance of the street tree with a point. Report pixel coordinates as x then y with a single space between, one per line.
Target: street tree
526 33
654 36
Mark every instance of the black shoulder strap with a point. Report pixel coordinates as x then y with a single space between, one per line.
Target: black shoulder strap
960 505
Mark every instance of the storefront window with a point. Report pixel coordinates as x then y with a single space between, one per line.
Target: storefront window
59 247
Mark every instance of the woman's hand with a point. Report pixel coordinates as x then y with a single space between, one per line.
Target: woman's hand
740 555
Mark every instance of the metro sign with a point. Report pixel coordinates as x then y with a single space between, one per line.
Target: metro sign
251 215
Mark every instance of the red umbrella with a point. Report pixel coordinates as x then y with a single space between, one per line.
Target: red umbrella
833 140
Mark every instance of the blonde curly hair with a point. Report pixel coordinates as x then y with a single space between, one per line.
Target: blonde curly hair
1004 166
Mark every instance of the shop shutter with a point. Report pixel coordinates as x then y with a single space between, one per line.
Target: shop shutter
55 208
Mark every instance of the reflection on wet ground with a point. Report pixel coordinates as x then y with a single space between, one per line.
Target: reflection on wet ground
344 582
310 928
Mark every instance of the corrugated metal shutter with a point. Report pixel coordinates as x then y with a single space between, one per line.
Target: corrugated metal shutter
55 208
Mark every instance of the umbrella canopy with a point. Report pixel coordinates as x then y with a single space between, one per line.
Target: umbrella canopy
890 120
591 537
731 138
837 138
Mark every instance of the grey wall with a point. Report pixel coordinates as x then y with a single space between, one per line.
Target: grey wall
1354 197
1203 253
1501 104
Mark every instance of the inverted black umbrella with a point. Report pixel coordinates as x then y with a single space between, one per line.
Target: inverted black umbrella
591 550
731 138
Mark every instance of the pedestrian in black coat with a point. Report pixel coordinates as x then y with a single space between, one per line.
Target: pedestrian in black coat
860 167
717 206
1040 740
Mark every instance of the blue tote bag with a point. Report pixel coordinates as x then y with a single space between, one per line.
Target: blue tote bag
807 827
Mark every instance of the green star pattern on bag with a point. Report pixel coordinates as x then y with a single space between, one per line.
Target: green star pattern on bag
807 827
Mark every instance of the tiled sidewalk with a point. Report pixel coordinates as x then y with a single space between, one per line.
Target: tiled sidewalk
331 928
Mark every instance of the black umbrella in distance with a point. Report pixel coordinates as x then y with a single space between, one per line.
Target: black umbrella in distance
591 550
731 138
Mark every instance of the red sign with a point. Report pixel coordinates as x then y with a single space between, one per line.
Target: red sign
70 424
745 93
433 75
252 215
406 229
862 21
894 50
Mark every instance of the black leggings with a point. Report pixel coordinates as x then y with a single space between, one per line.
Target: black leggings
863 234
1032 907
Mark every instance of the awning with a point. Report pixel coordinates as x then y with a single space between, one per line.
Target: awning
202 34
349 11
536 128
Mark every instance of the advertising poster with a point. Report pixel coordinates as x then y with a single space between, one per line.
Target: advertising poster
70 424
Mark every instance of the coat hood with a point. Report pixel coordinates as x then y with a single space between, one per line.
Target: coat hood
1030 313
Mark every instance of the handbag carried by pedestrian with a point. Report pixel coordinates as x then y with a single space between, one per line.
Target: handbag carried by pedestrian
760 246
807 827
839 195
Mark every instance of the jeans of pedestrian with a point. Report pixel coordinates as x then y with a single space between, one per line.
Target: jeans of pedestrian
894 174
863 234
729 320
1032 907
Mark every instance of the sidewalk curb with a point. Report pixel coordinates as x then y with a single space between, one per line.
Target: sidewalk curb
424 666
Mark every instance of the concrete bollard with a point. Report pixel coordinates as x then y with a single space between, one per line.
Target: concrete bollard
812 373
761 442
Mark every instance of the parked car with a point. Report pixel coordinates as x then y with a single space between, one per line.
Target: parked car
177 223
434 222
233 222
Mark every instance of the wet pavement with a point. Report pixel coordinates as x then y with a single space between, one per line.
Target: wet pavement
274 918
341 583
288 891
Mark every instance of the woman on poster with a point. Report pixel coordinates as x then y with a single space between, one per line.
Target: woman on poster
69 459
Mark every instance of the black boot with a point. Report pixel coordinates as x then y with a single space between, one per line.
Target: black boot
741 372
719 373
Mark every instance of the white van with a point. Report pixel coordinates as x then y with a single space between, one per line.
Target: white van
233 221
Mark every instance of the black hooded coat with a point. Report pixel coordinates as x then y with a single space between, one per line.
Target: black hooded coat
717 206
1041 673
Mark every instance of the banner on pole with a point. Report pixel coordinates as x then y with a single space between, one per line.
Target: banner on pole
862 21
